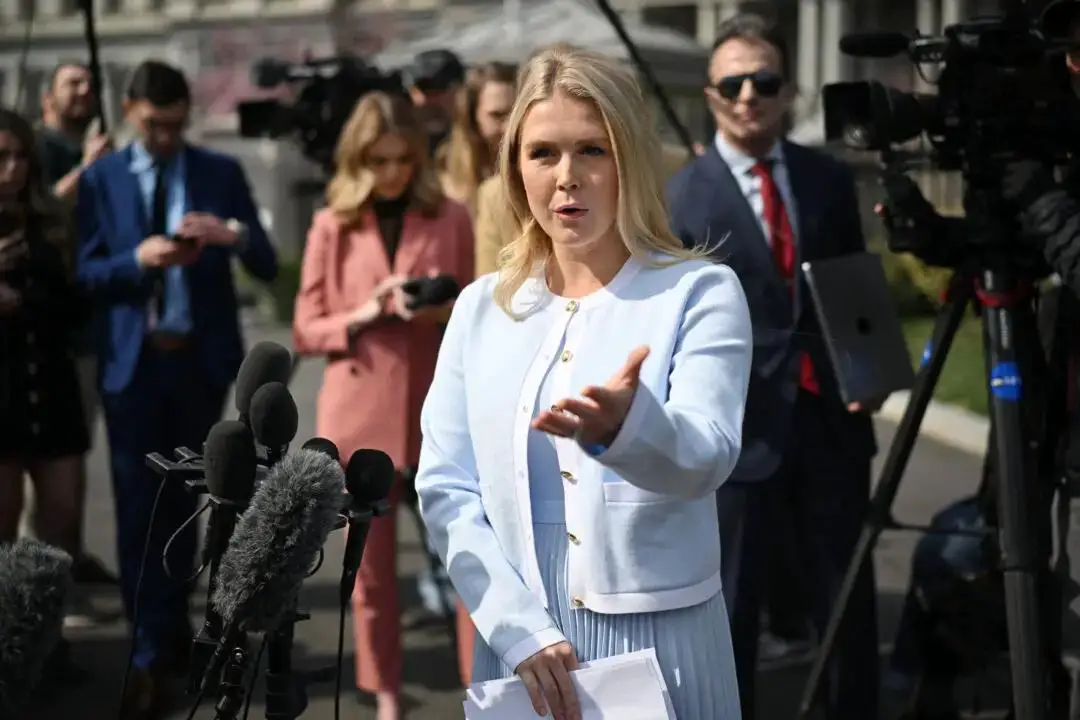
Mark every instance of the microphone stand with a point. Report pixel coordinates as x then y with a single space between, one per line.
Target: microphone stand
94 63
653 82
231 689
222 523
358 516
286 692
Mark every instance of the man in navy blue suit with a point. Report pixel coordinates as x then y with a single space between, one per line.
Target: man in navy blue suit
764 206
159 223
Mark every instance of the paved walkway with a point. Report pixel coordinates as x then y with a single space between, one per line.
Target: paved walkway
938 474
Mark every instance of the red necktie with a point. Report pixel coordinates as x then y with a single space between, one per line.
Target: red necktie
783 249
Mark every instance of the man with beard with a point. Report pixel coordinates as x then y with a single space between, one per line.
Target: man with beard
67 145
68 111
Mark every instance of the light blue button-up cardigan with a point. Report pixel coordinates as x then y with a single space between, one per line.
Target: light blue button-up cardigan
643 509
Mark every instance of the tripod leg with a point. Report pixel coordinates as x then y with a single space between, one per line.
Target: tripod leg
1016 499
880 515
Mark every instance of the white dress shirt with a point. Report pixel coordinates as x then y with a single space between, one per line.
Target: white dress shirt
640 515
742 167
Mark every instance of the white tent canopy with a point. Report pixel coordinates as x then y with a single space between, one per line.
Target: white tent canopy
511 37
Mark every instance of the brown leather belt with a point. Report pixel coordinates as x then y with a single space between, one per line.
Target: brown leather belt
168 342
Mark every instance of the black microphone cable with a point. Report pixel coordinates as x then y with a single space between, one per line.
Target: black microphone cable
135 603
130 662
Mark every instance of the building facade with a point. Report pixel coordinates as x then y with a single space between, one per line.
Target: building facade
195 33
216 41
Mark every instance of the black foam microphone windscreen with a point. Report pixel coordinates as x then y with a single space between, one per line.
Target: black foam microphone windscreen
369 476
273 415
265 362
278 540
320 444
230 465
229 461
35 580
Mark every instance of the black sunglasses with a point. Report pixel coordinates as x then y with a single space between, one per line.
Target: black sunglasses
766 83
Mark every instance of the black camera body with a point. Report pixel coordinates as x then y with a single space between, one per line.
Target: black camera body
1003 94
328 90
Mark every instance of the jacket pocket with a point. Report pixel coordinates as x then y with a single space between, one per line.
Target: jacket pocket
624 493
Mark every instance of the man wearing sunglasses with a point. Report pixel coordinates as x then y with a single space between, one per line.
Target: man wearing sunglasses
764 205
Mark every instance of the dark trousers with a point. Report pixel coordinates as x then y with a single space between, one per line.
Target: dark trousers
166 405
826 486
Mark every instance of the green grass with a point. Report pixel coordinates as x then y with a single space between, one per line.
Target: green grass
963 380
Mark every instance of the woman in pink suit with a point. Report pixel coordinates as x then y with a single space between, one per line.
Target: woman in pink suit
386 221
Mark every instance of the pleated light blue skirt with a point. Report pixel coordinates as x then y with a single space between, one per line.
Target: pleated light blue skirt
692 644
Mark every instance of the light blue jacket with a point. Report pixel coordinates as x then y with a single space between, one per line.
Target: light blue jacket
641 514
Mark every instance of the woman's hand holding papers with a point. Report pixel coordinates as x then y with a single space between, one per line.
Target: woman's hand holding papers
547 677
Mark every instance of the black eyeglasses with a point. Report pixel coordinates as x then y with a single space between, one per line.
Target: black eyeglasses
766 83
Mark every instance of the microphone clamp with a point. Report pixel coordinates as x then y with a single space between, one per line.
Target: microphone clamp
359 511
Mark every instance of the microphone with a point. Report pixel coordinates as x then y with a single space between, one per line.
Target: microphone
430 290
874 44
324 446
274 419
266 362
368 478
35 579
230 464
278 539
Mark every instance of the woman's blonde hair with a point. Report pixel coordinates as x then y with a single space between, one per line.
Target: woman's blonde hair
465 157
641 214
377 114
44 213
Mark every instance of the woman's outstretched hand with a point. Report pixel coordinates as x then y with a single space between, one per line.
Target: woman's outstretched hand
547 677
598 415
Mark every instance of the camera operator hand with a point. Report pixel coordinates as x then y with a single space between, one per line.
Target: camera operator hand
1048 213
911 221
158 251
96 146
547 677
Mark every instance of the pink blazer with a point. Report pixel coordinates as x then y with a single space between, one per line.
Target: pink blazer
372 393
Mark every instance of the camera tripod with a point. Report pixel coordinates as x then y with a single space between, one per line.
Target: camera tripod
1022 447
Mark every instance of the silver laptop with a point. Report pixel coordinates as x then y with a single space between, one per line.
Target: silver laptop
861 325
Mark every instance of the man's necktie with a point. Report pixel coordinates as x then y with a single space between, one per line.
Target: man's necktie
158 221
783 249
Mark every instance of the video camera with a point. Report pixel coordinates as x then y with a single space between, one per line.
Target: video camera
1004 93
328 92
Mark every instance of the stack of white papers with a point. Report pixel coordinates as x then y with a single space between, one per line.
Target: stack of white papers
623 687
